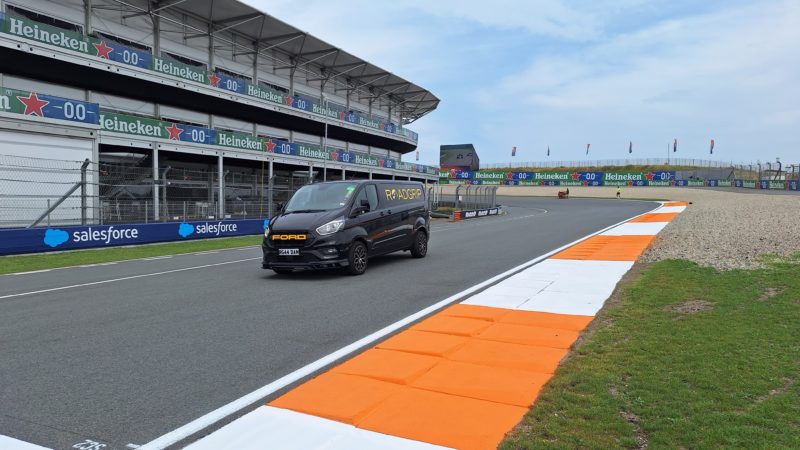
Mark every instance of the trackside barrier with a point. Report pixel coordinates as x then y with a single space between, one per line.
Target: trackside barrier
34 240
475 213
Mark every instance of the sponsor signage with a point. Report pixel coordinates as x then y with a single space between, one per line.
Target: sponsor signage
720 183
479 213
794 185
26 103
772 184
31 240
25 28
159 129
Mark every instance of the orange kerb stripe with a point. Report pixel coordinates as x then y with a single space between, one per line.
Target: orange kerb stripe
676 204
607 248
335 396
512 356
388 365
443 419
654 217
461 378
547 320
459 326
495 384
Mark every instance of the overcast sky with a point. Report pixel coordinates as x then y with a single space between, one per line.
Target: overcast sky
567 73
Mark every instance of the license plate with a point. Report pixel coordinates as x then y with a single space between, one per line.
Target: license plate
288 252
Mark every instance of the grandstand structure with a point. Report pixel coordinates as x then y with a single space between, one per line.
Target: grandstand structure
149 91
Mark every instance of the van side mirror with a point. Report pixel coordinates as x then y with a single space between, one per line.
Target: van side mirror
360 209
280 207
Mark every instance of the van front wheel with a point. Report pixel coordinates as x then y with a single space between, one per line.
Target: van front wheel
420 246
357 258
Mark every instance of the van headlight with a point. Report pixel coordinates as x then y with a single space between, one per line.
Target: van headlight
331 227
266 233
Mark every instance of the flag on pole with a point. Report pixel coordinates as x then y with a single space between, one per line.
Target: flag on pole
674 145
711 150
548 150
417 155
587 148
514 151
630 147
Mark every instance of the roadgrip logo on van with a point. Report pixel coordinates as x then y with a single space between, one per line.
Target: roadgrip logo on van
288 237
403 194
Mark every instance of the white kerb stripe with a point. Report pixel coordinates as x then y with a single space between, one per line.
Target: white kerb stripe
670 209
9 443
636 228
270 427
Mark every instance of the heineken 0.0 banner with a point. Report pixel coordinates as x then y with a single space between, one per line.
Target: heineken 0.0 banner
772 184
26 103
159 129
26 28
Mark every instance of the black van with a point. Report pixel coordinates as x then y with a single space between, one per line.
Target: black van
344 223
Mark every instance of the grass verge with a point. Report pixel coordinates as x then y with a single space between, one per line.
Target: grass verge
25 263
681 357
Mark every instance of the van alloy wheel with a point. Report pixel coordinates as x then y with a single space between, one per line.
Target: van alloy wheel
358 258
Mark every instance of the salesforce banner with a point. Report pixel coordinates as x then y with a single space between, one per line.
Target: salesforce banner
31 240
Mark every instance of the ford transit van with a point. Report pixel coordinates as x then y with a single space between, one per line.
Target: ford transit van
342 224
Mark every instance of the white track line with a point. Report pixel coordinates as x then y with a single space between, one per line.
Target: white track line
148 258
133 277
243 402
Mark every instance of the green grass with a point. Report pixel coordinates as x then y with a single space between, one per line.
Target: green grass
24 263
725 377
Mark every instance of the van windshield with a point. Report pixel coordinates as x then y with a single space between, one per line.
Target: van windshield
320 197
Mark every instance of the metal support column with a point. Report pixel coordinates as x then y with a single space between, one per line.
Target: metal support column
156 181
269 191
370 174
344 176
310 173
87 17
84 166
221 187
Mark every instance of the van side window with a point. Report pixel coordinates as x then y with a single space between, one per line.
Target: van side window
372 196
362 195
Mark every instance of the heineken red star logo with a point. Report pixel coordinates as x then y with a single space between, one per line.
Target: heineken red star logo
381 126
341 115
575 175
510 175
174 132
270 146
649 176
213 79
33 106
288 100
334 156
630 182
103 50
585 183
672 182
380 162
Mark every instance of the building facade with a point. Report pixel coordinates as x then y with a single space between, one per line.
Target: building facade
206 108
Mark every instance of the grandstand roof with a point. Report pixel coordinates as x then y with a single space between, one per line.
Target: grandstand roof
300 51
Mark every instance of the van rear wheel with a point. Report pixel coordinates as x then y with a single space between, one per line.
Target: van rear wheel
357 258
420 246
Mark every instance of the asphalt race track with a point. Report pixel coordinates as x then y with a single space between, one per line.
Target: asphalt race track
124 353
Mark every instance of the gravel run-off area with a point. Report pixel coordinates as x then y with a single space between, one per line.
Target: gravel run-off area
720 228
